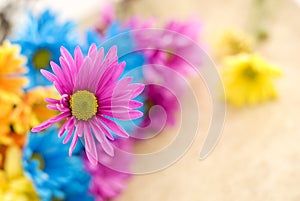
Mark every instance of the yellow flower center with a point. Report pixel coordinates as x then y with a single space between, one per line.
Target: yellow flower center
250 73
41 58
39 158
56 199
83 105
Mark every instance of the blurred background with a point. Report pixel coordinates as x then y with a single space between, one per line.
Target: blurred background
258 155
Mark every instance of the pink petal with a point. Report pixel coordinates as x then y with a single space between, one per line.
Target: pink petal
78 57
62 130
90 145
98 69
57 70
118 130
111 57
50 122
115 107
52 107
42 126
79 130
69 134
59 88
105 79
51 77
73 144
69 59
105 144
123 83
117 71
62 108
60 117
133 114
99 59
97 124
120 89
52 101
66 71
65 127
135 104
92 51
84 77
139 88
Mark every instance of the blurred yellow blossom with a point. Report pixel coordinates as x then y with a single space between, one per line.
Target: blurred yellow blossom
10 139
16 120
233 42
14 185
248 79
32 110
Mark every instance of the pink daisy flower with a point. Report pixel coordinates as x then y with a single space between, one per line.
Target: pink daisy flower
106 183
158 95
91 96
173 50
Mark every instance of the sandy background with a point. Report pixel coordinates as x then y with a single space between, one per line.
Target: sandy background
258 156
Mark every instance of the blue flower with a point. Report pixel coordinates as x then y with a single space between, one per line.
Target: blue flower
55 175
41 38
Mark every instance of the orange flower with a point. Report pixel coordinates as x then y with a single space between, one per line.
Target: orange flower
11 72
32 110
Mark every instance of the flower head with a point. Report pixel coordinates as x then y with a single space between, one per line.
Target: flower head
249 80
173 53
173 50
12 71
107 183
40 40
14 185
159 96
55 175
91 95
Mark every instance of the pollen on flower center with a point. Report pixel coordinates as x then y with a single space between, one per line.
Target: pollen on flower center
250 73
41 58
83 105
39 158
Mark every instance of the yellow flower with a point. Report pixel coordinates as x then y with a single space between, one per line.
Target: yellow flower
233 42
18 119
11 72
14 185
32 111
249 80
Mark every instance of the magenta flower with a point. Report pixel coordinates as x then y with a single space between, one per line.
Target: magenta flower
107 184
91 95
172 49
169 60
161 96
